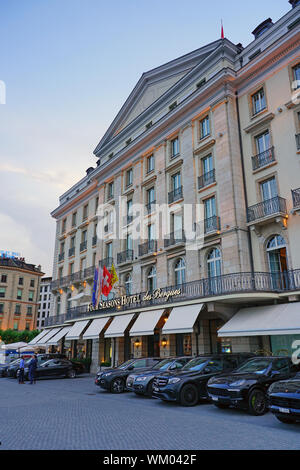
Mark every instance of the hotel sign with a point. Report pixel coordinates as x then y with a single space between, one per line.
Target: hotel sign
136 299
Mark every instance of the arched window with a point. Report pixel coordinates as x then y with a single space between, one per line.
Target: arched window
58 304
277 256
128 284
179 270
151 278
214 263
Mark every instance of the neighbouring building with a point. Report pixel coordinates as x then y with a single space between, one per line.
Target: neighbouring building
218 129
44 302
19 293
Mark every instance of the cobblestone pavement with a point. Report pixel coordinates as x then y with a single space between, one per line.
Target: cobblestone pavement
75 414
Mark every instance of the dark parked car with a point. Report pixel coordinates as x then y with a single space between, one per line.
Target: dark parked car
12 370
141 383
246 387
114 380
284 399
53 368
188 386
4 367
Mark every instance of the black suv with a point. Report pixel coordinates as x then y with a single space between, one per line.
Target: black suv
246 387
141 382
12 370
114 380
284 400
188 385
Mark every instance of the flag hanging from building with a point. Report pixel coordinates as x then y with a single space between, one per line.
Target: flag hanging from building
222 30
114 276
95 288
106 283
100 282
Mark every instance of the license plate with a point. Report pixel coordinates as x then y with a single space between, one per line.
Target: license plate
156 389
284 410
214 398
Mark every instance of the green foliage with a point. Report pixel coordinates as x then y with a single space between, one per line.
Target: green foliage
14 336
105 364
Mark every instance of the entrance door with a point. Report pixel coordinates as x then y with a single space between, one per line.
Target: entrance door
277 256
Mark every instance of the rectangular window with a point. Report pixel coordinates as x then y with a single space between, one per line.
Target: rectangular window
262 142
96 204
29 310
16 325
63 226
84 236
21 280
129 208
60 273
151 232
210 207
27 326
62 248
30 296
85 212
296 76
72 243
74 217
18 309
207 164
110 193
82 264
109 250
176 181
71 268
258 101
19 294
204 127
150 163
129 241
269 189
1 308
2 292
31 282
4 278
129 177
174 147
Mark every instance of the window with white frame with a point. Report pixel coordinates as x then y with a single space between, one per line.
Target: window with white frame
179 271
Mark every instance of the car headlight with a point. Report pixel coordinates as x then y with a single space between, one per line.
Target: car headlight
238 383
174 380
107 374
141 379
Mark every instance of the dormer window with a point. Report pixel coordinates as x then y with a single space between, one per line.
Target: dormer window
150 124
173 106
262 28
201 83
128 141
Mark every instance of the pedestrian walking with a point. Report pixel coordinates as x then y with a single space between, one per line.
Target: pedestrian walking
32 369
21 371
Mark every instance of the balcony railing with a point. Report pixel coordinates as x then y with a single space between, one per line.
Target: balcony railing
175 195
89 272
61 256
263 159
107 262
296 197
174 238
238 283
71 251
83 246
206 179
124 256
298 141
211 224
276 205
148 247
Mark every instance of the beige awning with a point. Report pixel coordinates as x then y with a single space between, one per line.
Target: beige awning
182 319
38 337
56 338
95 328
118 326
50 334
283 319
77 329
145 323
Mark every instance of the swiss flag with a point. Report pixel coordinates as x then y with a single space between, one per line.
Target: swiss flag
106 282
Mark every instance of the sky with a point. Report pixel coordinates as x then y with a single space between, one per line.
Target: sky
68 66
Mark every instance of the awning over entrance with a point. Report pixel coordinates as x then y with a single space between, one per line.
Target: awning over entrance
95 328
118 326
76 329
49 335
56 338
182 319
145 323
281 319
38 337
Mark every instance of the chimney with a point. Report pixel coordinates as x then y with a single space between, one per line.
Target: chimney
262 27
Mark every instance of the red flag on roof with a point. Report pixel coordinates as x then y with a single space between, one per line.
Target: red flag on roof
222 30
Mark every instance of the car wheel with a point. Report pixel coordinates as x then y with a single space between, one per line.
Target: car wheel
285 420
257 403
71 374
189 395
117 385
222 406
149 391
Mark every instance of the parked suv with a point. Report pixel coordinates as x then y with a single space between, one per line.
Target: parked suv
141 383
246 387
12 370
188 385
114 380
284 399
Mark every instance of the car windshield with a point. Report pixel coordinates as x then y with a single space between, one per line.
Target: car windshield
256 366
125 364
163 365
196 364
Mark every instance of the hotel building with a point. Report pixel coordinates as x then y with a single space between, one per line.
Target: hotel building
216 131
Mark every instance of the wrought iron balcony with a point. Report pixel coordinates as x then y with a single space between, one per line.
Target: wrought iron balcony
124 256
76 277
296 197
107 262
71 251
175 195
298 141
148 247
88 273
150 206
206 179
55 284
274 206
61 256
174 238
94 240
237 283
212 224
83 246
263 159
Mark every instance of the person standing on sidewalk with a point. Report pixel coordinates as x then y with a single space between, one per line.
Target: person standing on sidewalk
31 369
21 371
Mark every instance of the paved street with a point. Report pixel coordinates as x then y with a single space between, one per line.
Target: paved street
75 414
